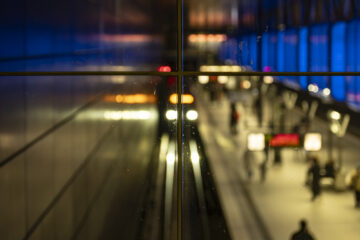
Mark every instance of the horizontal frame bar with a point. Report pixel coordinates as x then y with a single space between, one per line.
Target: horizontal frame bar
178 74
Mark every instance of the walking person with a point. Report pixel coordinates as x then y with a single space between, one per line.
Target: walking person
314 172
330 169
234 118
258 107
248 163
263 171
263 165
303 233
355 183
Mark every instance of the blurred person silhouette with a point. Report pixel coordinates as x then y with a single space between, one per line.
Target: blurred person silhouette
263 171
258 107
248 163
212 90
263 165
234 118
355 184
314 172
303 233
330 169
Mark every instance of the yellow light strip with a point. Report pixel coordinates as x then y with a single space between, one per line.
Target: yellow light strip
186 98
131 98
220 68
201 38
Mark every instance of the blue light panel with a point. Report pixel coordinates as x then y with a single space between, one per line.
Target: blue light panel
338 60
351 52
319 54
244 50
291 57
281 53
272 51
269 44
253 52
303 56
231 50
357 62
264 51
290 42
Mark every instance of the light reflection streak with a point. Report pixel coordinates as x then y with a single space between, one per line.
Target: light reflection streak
202 38
169 186
195 160
131 98
127 115
128 38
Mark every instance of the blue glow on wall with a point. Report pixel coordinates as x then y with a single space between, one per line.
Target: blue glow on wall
290 42
291 56
303 56
244 50
319 54
357 50
230 51
222 51
253 52
265 51
281 53
351 56
272 51
338 60
268 55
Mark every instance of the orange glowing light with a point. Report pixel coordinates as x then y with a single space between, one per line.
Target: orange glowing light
192 38
127 38
186 98
131 98
119 98
211 38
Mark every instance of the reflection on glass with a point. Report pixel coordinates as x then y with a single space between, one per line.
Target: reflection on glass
202 215
87 35
96 154
91 154
256 145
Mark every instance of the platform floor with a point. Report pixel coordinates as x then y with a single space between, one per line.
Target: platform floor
283 199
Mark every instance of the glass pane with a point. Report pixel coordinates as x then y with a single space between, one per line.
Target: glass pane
273 36
259 140
87 35
223 32
202 213
205 24
81 156
167 177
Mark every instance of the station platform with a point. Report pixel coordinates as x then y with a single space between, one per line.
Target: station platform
272 209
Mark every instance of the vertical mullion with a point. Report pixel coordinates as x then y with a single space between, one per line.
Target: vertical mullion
179 118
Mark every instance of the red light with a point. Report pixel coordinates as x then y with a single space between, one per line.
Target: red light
164 69
213 78
285 140
171 80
